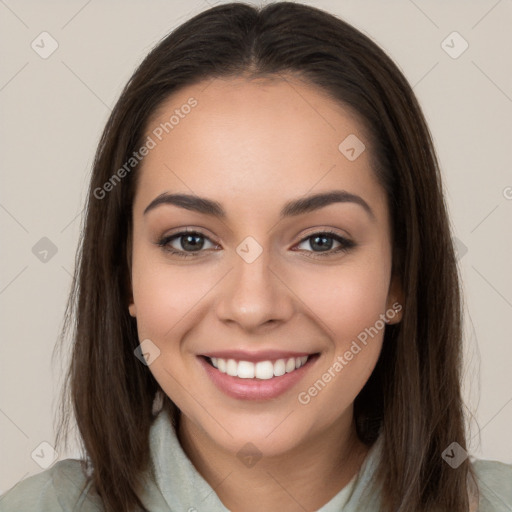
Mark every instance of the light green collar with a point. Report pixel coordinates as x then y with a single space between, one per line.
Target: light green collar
178 486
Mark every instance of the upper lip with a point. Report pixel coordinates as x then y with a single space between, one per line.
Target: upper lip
262 355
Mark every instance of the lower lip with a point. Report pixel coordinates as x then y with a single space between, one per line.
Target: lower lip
256 389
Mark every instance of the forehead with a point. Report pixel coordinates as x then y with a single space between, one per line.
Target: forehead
251 143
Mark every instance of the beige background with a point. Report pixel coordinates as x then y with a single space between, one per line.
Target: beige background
52 113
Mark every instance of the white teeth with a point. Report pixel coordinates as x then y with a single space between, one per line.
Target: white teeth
264 370
261 370
245 370
290 365
231 367
279 367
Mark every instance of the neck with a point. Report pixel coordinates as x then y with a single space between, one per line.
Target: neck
305 478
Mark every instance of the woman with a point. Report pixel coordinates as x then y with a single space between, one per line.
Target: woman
267 301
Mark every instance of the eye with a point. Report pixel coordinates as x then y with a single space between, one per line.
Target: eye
190 242
324 241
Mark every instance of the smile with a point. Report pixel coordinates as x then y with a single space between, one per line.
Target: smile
261 376
263 370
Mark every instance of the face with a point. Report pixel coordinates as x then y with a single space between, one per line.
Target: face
265 322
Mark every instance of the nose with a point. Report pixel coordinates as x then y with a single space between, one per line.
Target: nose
255 295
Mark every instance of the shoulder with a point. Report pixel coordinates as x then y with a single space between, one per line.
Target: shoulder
494 481
64 486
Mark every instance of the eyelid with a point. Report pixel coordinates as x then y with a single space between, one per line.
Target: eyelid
309 232
190 230
346 243
166 239
343 233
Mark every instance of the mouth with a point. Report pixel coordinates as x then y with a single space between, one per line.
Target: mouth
262 370
258 376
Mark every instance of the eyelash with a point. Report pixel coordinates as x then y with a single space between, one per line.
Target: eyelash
345 246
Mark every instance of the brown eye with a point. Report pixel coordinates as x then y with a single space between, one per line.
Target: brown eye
323 241
189 243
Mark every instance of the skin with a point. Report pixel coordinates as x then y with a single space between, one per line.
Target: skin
252 146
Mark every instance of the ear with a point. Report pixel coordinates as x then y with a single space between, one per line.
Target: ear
395 300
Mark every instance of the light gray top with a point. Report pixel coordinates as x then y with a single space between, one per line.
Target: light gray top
178 486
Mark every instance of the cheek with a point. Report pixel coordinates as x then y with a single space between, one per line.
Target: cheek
159 304
165 294
168 299
347 299
350 301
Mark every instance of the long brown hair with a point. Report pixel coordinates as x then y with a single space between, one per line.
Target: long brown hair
413 398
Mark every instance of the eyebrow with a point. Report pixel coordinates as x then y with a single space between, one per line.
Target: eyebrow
290 209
